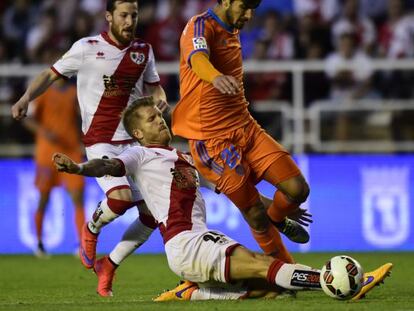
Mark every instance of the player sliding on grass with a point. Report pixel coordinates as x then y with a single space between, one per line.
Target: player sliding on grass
169 184
112 69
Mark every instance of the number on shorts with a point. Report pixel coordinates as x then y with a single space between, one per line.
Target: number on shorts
212 236
230 156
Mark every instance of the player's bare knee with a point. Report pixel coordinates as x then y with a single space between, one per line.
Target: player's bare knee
299 192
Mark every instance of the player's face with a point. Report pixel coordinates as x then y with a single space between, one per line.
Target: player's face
123 21
151 127
238 14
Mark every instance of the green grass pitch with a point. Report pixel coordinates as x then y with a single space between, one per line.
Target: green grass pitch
61 283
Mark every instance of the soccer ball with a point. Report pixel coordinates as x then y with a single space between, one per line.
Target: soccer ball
342 277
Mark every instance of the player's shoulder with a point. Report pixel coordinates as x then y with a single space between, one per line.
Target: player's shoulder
206 15
201 19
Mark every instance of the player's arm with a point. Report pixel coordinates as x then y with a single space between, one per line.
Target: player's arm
37 87
205 70
92 168
158 93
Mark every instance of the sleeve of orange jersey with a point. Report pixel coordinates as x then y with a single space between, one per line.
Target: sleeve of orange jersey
195 48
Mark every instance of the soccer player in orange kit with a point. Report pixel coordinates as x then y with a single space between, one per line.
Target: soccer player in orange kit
229 148
56 128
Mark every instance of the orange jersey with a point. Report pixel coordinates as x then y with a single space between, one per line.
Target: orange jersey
56 112
203 112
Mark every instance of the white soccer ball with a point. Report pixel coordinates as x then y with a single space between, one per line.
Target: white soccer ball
342 277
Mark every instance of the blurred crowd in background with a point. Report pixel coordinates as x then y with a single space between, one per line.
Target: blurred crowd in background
39 31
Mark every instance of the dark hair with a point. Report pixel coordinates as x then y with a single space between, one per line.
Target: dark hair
111 4
130 112
250 4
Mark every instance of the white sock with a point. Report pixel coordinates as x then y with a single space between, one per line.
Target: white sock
297 276
217 293
136 235
102 216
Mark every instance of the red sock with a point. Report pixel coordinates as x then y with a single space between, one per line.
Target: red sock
273 269
79 219
39 216
280 207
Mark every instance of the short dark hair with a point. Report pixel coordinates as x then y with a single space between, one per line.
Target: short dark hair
130 112
111 4
250 4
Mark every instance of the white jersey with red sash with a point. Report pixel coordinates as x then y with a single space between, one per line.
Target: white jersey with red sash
109 77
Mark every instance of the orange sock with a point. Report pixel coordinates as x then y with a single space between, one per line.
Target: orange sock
271 244
79 219
280 207
39 215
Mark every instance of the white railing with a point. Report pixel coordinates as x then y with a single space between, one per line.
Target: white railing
297 137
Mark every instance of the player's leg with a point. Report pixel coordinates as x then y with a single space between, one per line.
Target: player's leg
121 194
233 180
269 161
136 234
292 190
39 218
245 264
247 199
75 185
46 178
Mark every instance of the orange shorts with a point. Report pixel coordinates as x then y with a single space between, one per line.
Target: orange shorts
240 156
48 177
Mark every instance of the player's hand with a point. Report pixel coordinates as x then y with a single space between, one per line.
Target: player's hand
226 85
19 109
163 106
301 216
65 164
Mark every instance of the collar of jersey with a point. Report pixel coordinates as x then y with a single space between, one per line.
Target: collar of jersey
218 20
159 146
108 39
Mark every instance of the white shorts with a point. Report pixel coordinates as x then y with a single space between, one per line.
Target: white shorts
200 256
108 183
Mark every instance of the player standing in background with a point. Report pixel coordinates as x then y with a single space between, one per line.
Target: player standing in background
228 146
55 124
112 70
170 185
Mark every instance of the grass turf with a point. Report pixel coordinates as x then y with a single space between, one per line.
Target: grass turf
61 283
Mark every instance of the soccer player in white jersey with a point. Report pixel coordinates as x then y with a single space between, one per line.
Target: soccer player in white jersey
112 70
169 184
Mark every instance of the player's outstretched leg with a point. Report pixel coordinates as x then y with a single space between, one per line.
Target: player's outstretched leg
373 278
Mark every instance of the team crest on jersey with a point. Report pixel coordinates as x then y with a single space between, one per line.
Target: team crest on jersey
137 57
199 43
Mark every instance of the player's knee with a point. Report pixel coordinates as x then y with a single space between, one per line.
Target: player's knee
299 192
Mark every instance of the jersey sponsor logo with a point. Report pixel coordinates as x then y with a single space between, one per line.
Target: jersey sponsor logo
118 85
199 43
184 177
137 57
304 278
